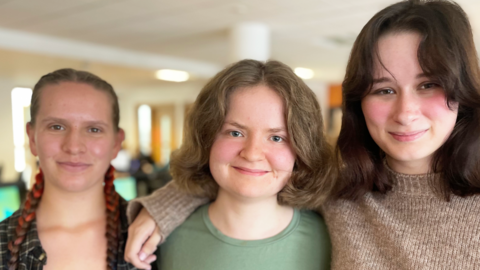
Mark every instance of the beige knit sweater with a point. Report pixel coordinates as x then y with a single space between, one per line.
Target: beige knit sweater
408 228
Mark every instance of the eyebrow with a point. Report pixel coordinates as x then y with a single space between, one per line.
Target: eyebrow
97 123
240 126
386 79
53 119
60 120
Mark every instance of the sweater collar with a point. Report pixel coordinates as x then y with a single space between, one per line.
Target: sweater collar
414 184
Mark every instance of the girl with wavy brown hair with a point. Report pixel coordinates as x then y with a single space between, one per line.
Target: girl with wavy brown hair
248 146
408 154
72 217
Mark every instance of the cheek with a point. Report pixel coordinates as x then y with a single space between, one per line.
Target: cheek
102 149
375 112
435 108
224 151
47 146
282 159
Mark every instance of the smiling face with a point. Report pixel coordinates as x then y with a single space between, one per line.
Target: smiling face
74 136
251 156
406 112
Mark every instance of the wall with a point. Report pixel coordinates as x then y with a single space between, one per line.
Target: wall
6 136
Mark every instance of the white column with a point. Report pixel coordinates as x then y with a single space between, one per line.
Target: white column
179 119
321 91
249 40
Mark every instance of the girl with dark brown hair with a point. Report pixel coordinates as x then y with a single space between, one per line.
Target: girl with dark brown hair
408 154
72 217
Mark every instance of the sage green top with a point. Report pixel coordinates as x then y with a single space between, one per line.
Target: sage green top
197 244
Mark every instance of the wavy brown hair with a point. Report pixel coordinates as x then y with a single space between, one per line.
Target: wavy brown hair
112 199
310 180
446 54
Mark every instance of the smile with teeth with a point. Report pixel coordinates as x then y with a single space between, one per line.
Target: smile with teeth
407 136
252 172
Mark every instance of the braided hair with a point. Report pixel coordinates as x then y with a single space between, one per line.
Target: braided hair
112 199
28 215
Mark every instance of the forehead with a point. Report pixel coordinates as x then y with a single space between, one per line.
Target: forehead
256 105
397 52
255 97
69 98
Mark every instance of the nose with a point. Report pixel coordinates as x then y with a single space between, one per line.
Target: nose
73 143
407 109
253 149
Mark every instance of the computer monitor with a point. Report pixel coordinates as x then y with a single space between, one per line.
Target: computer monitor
11 195
10 199
126 187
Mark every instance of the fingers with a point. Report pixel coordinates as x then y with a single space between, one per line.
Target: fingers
138 233
151 244
150 259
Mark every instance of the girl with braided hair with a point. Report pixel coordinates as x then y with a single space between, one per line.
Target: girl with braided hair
72 218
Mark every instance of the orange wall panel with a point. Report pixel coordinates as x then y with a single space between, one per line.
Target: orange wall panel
335 96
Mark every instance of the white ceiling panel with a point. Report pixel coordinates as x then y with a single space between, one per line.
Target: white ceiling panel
302 31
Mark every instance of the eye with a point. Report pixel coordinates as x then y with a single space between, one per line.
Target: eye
94 130
428 85
387 91
235 134
277 139
56 127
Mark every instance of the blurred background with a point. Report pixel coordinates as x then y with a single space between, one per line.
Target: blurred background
158 54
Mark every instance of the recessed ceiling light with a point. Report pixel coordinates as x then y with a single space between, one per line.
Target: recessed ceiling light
304 73
172 75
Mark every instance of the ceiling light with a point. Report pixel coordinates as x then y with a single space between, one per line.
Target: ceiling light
172 75
304 73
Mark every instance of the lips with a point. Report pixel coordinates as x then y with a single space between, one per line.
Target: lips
408 136
248 171
73 166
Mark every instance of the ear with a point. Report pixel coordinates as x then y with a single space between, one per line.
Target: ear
119 138
31 138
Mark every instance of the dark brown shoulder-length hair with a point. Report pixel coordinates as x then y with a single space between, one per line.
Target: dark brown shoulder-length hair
447 54
310 181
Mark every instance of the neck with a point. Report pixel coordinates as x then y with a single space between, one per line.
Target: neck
247 219
58 208
410 167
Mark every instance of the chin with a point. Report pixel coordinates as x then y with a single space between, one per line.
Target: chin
254 192
410 157
75 184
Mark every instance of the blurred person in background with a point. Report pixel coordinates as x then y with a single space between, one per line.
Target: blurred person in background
72 218
407 195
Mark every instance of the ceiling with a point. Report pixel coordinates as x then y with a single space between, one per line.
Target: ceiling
310 33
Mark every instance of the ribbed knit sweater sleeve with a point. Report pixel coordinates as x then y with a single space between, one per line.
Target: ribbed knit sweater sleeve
168 206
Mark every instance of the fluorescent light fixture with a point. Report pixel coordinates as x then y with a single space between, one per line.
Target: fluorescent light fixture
172 75
304 73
